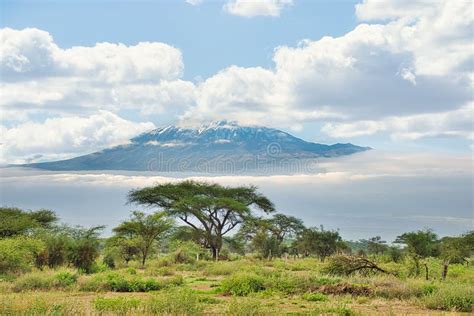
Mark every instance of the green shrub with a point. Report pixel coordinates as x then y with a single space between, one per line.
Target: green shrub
44 280
176 301
117 282
243 284
33 281
315 297
64 279
118 305
18 254
451 298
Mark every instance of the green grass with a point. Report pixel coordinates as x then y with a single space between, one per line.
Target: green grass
243 287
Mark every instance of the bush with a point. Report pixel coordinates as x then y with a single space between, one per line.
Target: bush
33 281
451 298
177 301
117 305
44 280
18 254
315 297
64 279
243 284
117 282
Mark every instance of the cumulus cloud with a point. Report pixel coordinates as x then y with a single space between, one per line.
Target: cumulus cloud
63 137
252 8
409 75
32 53
37 75
412 67
456 123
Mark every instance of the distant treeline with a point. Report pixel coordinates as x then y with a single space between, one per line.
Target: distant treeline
207 222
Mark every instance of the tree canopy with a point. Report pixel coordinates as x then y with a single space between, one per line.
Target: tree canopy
212 209
142 231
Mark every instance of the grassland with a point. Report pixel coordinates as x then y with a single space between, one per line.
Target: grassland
244 286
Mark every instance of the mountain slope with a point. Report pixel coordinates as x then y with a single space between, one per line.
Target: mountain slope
217 147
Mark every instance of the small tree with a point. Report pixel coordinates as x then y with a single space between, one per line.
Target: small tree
376 245
455 250
57 242
419 245
144 231
14 221
210 209
320 242
126 249
84 249
267 236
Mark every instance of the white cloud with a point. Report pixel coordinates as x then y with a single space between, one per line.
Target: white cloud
456 123
64 137
390 9
410 76
252 8
374 73
194 2
37 75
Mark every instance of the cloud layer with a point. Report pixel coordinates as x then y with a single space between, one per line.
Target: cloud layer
364 195
405 71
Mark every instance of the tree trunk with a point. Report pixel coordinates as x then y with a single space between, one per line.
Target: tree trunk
427 277
417 266
215 253
444 273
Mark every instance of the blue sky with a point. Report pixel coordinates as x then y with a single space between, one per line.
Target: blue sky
209 38
387 74
395 75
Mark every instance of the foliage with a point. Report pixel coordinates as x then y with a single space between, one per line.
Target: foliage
84 248
120 282
459 299
376 245
45 280
141 233
57 244
320 242
315 297
116 305
420 244
14 221
242 284
18 254
211 209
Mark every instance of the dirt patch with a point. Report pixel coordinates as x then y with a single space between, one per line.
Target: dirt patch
342 289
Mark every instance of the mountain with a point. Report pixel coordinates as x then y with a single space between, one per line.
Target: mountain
223 147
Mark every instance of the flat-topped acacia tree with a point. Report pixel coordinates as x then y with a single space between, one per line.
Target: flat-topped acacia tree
209 208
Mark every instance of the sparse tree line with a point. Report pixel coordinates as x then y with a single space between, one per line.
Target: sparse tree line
202 221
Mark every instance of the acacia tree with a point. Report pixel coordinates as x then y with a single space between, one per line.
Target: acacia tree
456 250
14 221
375 245
142 230
419 245
321 242
268 235
211 209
